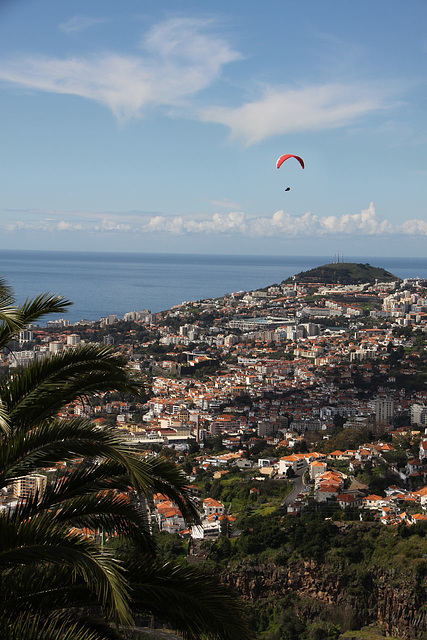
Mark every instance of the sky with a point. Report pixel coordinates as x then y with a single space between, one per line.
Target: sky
155 126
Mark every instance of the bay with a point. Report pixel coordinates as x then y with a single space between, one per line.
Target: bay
113 283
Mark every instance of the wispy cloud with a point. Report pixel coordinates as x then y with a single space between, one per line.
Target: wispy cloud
280 224
180 57
80 23
310 108
175 61
50 225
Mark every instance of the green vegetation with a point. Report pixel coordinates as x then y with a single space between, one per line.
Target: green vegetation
348 557
344 273
236 493
367 633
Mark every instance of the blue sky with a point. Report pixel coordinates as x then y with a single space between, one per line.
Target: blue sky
155 126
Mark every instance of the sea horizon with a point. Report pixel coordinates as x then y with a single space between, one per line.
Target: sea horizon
347 257
102 283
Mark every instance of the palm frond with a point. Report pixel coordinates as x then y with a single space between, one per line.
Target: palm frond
86 478
17 318
10 322
54 581
6 291
167 478
42 305
42 388
51 442
116 514
48 589
10 315
28 626
4 419
42 540
152 474
194 603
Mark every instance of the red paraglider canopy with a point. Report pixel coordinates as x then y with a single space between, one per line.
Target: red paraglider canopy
282 159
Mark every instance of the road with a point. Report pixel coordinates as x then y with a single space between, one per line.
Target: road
298 486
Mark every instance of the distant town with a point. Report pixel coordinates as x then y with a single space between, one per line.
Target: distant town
310 395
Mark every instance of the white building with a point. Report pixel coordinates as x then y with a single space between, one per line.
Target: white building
55 347
212 507
418 414
25 336
293 462
27 486
384 409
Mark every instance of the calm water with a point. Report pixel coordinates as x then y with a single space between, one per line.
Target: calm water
104 283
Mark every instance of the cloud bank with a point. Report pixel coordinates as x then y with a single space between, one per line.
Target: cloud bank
176 60
280 224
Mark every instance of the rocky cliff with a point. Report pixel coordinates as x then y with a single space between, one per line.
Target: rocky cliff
382 597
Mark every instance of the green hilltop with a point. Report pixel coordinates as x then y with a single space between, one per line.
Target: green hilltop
344 273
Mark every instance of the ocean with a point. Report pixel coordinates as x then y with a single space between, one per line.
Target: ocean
113 283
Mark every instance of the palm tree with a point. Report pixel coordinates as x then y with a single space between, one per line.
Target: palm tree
55 582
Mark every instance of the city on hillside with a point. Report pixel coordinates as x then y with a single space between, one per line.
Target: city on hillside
302 397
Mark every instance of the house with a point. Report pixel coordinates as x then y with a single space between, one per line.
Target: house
326 492
206 530
219 474
414 466
266 462
317 468
363 455
169 517
295 507
346 500
422 496
336 455
171 521
330 477
423 451
290 462
212 507
417 517
373 502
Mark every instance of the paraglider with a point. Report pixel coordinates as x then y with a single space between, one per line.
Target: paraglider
282 159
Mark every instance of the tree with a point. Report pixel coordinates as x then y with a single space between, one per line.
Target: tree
57 581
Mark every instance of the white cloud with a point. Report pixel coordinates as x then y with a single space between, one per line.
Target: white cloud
51 225
177 59
365 223
218 223
414 227
235 223
309 224
180 59
310 108
80 23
